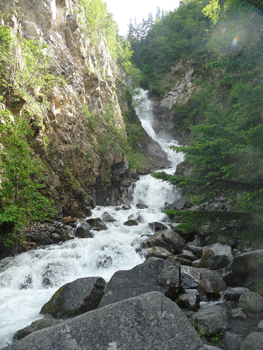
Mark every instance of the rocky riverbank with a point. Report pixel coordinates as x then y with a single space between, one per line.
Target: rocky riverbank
186 295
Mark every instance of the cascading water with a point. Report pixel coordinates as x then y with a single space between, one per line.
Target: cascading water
31 278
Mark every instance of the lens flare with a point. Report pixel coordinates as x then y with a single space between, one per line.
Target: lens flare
234 42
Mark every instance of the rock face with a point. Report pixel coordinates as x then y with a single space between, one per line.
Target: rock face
82 170
150 321
179 86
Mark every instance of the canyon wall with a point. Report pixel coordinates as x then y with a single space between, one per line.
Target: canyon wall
84 162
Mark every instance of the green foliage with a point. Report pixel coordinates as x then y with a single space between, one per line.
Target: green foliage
225 119
21 178
98 23
24 76
137 160
175 35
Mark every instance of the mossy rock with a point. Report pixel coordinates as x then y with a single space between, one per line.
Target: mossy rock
75 298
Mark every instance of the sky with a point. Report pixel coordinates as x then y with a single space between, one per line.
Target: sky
124 10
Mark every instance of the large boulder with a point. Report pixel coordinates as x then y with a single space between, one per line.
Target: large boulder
251 301
96 224
216 256
211 320
211 283
253 341
190 276
83 231
247 268
168 239
152 275
75 298
146 322
233 294
35 326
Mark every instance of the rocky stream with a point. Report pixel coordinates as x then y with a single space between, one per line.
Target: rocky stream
125 278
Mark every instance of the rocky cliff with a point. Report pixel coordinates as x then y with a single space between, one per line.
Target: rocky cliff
83 159
179 85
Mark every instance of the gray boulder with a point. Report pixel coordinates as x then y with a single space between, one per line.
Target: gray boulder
106 217
152 275
211 283
131 223
251 301
96 224
232 341
168 239
216 256
146 322
233 294
157 226
238 313
35 326
247 269
211 320
159 252
190 300
75 298
253 341
190 276
83 231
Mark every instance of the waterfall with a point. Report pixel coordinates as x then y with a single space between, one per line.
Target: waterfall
31 278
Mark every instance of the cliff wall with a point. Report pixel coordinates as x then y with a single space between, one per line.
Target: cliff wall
82 152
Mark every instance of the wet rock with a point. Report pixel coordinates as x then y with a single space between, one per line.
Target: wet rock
152 275
55 237
96 224
35 326
251 301
211 284
141 206
177 205
168 239
131 223
126 207
142 323
158 252
106 217
211 320
75 298
83 231
157 226
233 294
253 341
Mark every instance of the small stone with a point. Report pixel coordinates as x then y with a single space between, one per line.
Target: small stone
238 313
